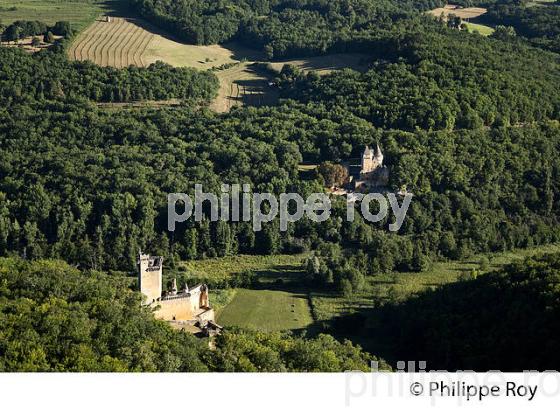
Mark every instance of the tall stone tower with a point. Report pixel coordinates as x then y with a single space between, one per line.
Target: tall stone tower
370 160
150 275
367 160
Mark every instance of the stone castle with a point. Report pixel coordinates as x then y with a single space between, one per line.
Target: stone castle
186 309
371 172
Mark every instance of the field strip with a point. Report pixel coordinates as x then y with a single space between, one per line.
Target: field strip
131 49
110 46
112 50
146 39
124 52
78 46
100 45
79 49
119 46
90 41
142 54
97 38
111 38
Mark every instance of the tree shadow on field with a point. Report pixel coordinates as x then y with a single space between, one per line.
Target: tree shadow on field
118 8
257 91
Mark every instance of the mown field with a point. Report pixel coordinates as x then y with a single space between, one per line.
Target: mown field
480 28
117 43
274 307
268 268
464 13
79 13
323 65
267 310
243 84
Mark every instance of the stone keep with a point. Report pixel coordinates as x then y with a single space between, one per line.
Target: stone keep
187 305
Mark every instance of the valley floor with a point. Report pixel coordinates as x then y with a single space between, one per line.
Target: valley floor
277 303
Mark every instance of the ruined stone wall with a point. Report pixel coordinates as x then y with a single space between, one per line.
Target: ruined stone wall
175 309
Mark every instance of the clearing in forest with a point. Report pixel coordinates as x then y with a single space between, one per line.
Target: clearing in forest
121 42
465 13
267 310
79 13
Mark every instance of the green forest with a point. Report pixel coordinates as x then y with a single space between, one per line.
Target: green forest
468 124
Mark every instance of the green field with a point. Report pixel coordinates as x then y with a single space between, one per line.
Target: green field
267 310
480 28
268 267
275 307
285 305
79 13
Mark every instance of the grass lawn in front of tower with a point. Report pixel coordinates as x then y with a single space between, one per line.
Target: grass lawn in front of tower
267 310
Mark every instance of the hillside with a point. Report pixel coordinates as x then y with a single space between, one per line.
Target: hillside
284 96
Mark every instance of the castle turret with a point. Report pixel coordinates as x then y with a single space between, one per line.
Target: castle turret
378 156
174 286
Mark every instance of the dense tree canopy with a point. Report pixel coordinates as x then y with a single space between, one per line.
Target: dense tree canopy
281 28
49 75
468 124
538 24
507 320
444 80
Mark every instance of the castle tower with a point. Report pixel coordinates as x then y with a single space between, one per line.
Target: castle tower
149 275
367 160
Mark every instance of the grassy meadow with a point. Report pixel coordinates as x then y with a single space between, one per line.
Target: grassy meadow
400 286
80 13
480 28
281 303
268 310
269 268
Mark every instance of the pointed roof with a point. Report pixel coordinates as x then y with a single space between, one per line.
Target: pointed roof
367 151
378 152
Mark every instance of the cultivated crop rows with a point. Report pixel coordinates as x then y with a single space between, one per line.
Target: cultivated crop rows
117 43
